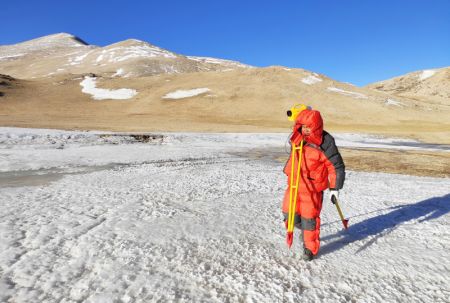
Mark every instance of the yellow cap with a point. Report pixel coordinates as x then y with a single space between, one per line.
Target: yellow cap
295 110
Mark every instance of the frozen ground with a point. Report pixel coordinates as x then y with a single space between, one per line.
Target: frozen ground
96 217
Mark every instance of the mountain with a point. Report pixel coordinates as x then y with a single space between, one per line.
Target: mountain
66 54
134 86
431 86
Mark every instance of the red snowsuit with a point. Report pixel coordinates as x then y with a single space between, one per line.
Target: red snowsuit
322 167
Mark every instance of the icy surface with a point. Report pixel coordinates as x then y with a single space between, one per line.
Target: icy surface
196 218
312 79
34 149
179 94
426 74
89 87
347 93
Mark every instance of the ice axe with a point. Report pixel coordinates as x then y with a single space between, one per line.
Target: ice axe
335 202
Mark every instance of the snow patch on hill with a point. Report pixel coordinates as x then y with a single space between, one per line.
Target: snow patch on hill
217 61
312 79
120 54
119 72
7 57
78 59
393 102
347 93
89 87
179 94
426 74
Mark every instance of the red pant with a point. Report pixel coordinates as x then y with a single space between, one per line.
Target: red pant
309 205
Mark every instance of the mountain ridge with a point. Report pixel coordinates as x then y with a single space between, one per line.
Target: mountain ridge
79 87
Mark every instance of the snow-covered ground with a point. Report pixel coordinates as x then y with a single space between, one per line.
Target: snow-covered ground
100 217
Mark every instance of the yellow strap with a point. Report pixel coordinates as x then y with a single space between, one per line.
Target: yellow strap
293 195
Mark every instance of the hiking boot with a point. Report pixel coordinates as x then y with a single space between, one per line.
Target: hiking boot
307 255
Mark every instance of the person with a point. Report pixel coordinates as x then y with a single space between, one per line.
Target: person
322 167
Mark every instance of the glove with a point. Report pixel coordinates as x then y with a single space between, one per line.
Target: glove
334 192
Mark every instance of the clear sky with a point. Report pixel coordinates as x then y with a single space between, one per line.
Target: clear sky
357 41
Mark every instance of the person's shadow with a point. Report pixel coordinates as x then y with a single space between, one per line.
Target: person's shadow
382 225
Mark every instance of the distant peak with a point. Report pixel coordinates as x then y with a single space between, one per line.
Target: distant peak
132 42
51 41
63 36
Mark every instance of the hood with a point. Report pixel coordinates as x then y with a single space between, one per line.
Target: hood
313 120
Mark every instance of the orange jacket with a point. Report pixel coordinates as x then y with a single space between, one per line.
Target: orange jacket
322 165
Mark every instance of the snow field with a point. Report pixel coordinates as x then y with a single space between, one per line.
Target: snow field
193 222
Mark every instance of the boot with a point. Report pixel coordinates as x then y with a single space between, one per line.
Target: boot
307 255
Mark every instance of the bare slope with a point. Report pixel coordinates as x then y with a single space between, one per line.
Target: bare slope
430 86
235 101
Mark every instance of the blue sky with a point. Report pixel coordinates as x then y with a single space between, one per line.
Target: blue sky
357 41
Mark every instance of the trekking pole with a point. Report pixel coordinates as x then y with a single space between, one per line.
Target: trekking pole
292 193
335 202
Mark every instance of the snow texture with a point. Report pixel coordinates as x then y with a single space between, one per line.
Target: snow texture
426 74
89 87
347 93
196 218
180 94
312 79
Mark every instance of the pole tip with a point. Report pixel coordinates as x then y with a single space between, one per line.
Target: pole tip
345 222
289 238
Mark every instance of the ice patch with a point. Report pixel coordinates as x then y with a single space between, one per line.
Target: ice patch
347 93
426 74
89 84
311 79
179 94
